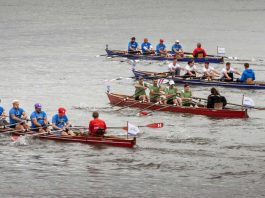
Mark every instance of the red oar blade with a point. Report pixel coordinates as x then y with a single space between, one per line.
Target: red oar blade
143 113
155 125
125 128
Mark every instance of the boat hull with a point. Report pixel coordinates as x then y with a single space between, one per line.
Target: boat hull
118 53
126 101
201 82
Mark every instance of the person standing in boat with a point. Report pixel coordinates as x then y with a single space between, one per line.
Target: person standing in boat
161 49
133 46
177 49
97 127
174 68
215 100
199 52
171 94
209 72
39 120
18 117
3 116
227 73
248 75
140 88
191 69
154 92
61 123
146 47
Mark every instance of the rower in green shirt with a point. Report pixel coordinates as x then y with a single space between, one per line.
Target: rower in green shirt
171 93
140 88
186 95
154 92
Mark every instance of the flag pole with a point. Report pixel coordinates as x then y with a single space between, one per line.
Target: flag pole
242 101
127 129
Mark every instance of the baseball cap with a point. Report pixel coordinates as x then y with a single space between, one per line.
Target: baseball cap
161 40
37 106
177 41
186 85
171 82
61 110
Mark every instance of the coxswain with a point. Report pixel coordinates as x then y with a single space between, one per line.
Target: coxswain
171 94
146 47
227 73
174 68
61 124
133 46
186 96
18 117
161 48
209 72
3 116
215 100
154 92
248 75
177 49
140 88
39 120
191 69
97 127
199 52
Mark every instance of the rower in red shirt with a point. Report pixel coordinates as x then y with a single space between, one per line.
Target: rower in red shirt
199 52
97 127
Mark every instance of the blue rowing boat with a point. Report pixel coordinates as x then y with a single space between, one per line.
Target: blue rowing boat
197 81
187 57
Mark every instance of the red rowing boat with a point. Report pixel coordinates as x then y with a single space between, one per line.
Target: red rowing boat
106 140
127 101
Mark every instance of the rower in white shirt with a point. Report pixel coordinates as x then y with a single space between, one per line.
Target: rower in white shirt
191 69
209 72
227 73
174 68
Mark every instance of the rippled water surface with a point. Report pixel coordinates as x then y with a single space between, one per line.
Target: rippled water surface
49 55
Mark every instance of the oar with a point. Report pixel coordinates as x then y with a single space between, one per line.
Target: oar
238 105
15 123
143 113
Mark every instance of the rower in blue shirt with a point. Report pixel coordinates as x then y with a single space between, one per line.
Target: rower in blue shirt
248 75
133 46
161 48
177 49
3 116
18 117
146 47
39 120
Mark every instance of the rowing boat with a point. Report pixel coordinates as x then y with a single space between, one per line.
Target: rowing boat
186 58
105 140
127 101
198 81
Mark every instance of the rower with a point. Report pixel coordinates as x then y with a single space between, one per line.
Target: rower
227 73
161 48
175 68
146 47
186 96
171 94
39 120
154 92
191 69
215 100
209 72
177 49
248 75
199 52
61 124
18 117
133 46
97 127
3 117
140 88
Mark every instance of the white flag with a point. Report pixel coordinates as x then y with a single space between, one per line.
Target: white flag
133 130
248 102
220 50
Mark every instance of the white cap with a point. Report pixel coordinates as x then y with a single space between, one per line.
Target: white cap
15 101
171 82
177 41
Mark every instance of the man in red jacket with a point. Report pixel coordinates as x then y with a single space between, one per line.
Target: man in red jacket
97 127
199 52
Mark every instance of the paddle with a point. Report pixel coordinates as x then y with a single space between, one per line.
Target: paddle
14 123
152 125
258 108
143 113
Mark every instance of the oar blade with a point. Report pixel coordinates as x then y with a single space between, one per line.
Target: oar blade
143 113
156 125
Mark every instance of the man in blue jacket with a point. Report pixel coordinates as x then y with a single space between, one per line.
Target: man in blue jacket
248 75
